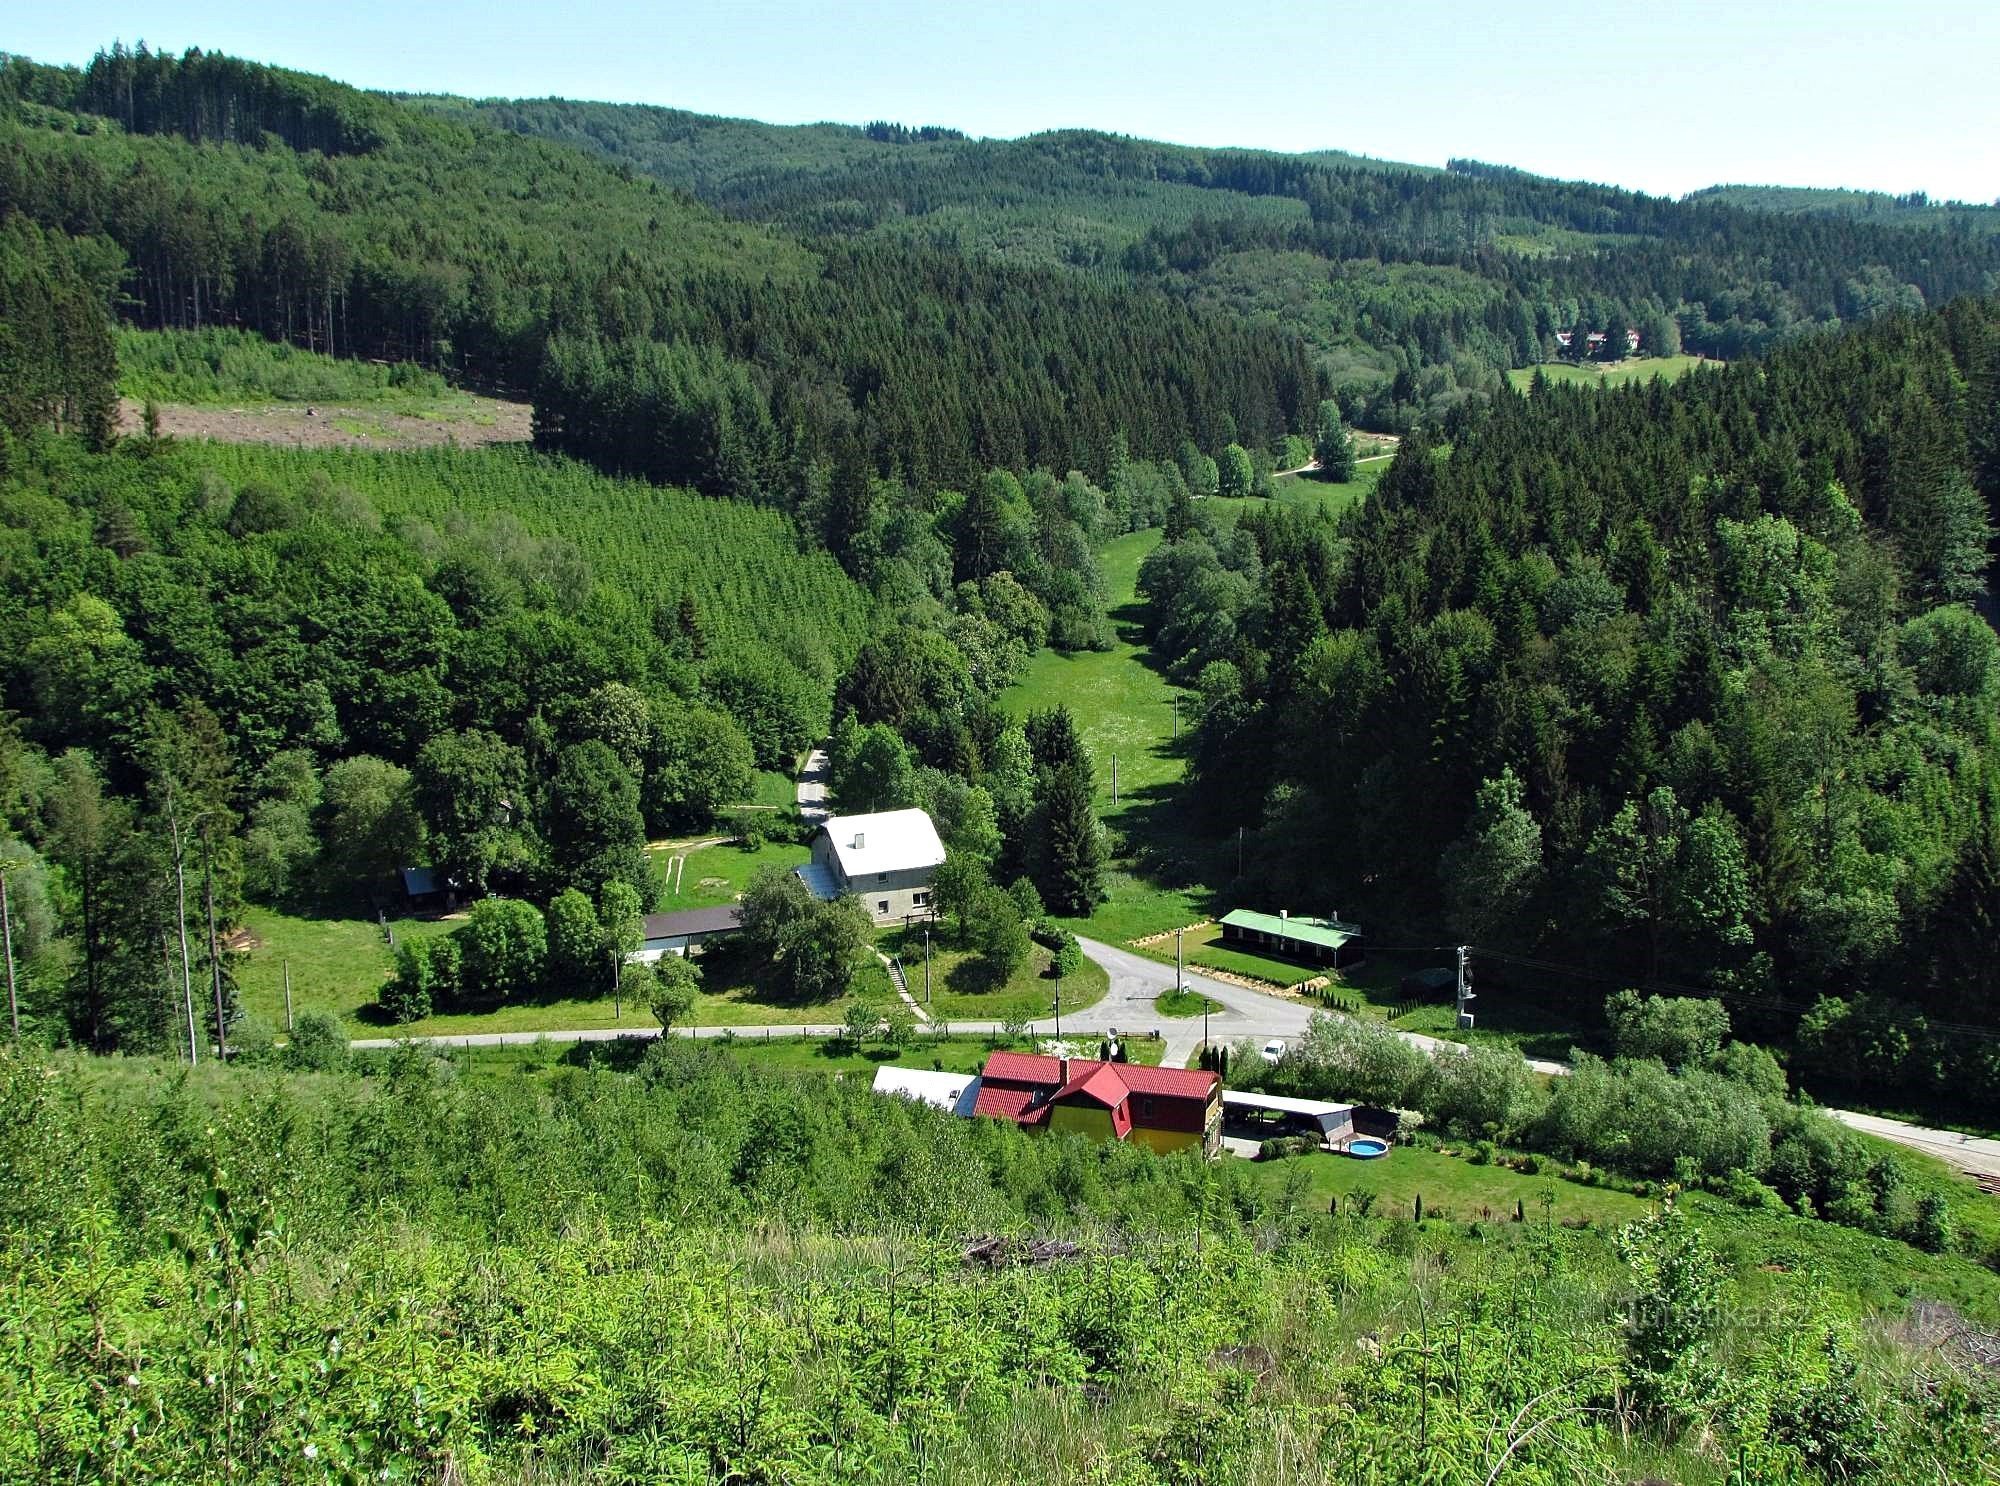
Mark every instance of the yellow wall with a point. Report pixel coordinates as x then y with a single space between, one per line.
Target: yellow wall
1165 1141
1087 1120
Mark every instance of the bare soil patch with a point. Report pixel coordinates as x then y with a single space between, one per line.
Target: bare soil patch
467 422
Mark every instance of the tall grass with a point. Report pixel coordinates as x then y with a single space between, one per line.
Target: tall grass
234 366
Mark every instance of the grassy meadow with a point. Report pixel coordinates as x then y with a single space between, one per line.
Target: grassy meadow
1609 374
222 366
1122 706
958 995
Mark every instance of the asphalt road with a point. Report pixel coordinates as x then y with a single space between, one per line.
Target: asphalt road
1136 982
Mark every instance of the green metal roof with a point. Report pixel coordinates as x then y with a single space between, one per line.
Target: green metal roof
1329 932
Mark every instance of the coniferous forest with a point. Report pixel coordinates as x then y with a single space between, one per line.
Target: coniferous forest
1677 701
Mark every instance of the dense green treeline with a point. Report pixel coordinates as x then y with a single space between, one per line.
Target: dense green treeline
278 675
699 1273
1446 276
57 360
1679 684
358 225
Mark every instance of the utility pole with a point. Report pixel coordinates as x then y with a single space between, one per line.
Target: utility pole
1465 993
214 947
1177 717
1058 1006
288 997
7 931
1177 963
1239 851
927 964
1114 779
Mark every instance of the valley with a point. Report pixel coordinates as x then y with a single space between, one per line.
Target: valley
693 800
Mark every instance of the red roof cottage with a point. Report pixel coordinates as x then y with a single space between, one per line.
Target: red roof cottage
1168 1109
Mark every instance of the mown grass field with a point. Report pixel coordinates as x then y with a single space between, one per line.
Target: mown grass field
1122 706
717 875
958 996
954 1053
1609 374
1310 490
338 964
1452 1188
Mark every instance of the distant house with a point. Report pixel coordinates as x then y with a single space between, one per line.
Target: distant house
887 860
678 933
1311 941
427 890
1631 341
1168 1109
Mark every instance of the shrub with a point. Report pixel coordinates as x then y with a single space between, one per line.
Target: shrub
1933 1228
318 1042
412 992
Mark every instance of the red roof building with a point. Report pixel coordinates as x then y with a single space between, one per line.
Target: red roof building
1168 1109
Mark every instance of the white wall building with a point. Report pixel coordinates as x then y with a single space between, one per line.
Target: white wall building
887 860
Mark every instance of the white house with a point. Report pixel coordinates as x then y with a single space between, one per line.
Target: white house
887 860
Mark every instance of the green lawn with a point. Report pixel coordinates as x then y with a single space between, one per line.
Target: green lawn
1184 1004
952 1054
1452 1188
1134 908
775 789
338 964
717 875
1614 374
1122 706
956 994
1310 490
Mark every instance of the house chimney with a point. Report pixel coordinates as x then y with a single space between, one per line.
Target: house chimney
860 839
1062 1075
1284 913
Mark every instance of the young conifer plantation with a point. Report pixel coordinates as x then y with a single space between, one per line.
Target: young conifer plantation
1676 702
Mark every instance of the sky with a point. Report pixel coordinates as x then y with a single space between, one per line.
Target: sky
1663 96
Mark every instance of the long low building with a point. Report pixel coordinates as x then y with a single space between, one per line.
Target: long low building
1311 941
677 933
1261 1115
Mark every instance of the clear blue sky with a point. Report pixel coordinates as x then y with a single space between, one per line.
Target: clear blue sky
1662 95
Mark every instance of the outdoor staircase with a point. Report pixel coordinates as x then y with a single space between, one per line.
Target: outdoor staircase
902 985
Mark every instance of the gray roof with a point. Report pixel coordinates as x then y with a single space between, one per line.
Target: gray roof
724 920
818 880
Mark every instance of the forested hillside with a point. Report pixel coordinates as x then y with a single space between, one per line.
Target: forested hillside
1914 208
1676 683
351 223
1415 286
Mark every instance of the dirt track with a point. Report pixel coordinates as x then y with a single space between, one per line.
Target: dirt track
465 423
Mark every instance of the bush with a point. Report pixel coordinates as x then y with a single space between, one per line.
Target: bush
318 1042
413 991
1282 1146
1933 1228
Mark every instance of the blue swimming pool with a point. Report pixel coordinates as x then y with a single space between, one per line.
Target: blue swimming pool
1367 1148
